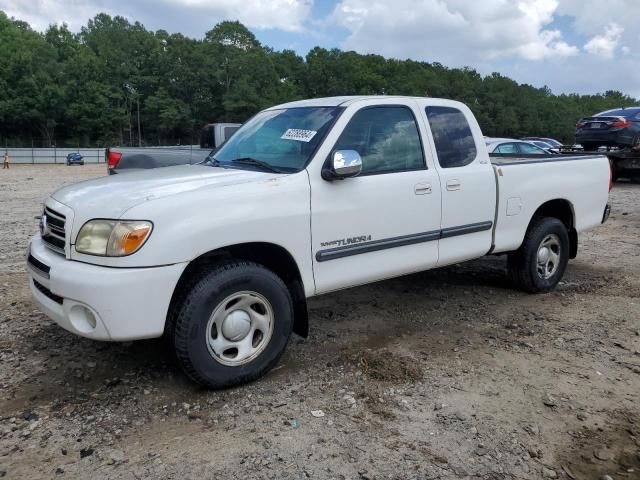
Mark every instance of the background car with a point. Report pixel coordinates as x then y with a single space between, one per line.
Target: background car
511 146
547 147
551 145
613 128
551 141
75 158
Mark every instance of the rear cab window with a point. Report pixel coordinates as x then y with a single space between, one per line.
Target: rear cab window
452 136
228 131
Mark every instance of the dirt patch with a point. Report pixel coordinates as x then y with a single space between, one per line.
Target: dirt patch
388 366
611 449
594 280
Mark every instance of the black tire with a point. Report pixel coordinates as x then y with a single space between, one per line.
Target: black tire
523 264
188 327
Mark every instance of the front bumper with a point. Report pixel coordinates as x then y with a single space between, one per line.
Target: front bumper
99 302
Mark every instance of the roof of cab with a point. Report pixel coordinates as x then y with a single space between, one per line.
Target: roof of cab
335 101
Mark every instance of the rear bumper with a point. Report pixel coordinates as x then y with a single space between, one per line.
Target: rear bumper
98 302
620 138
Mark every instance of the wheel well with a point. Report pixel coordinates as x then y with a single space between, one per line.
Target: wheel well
274 257
563 211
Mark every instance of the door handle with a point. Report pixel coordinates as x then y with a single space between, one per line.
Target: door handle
422 188
453 185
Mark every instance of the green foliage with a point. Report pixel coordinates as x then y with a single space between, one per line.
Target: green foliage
85 89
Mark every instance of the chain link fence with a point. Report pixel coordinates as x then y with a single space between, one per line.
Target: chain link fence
52 155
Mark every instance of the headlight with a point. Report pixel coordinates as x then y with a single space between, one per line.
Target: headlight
112 238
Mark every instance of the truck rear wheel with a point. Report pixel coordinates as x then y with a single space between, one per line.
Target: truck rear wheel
232 325
540 262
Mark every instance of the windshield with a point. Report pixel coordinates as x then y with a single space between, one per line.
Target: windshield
283 139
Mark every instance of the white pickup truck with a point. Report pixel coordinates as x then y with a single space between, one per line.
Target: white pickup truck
306 198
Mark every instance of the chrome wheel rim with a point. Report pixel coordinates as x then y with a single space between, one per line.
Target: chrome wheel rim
240 328
548 256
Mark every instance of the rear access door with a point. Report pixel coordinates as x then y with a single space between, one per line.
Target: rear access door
467 182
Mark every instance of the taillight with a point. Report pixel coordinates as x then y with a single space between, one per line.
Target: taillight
621 123
113 158
580 124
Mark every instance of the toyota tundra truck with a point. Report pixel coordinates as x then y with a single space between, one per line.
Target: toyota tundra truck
306 198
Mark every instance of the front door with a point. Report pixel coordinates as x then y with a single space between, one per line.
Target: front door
386 221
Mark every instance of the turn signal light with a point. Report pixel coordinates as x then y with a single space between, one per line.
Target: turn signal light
127 238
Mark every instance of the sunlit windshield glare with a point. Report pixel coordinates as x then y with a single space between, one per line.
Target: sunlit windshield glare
285 138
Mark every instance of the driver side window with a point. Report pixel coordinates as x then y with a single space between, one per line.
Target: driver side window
386 138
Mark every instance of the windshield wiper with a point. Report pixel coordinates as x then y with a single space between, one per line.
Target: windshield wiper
257 163
211 160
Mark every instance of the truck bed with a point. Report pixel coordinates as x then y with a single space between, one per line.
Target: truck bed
527 181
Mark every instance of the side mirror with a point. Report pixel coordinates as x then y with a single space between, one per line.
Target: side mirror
343 164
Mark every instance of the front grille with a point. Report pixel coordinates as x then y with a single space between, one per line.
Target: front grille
47 293
38 266
54 233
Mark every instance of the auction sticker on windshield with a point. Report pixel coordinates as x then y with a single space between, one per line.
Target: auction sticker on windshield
299 135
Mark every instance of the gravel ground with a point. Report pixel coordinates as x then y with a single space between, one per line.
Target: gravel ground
441 375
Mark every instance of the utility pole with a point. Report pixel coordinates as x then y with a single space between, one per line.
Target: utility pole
134 92
139 135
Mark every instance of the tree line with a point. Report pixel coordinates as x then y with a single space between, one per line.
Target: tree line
91 88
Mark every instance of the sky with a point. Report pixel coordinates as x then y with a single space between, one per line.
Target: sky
572 46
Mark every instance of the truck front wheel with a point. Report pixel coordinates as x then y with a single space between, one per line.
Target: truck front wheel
539 264
232 325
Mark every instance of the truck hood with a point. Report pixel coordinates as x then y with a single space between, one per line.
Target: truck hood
111 196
